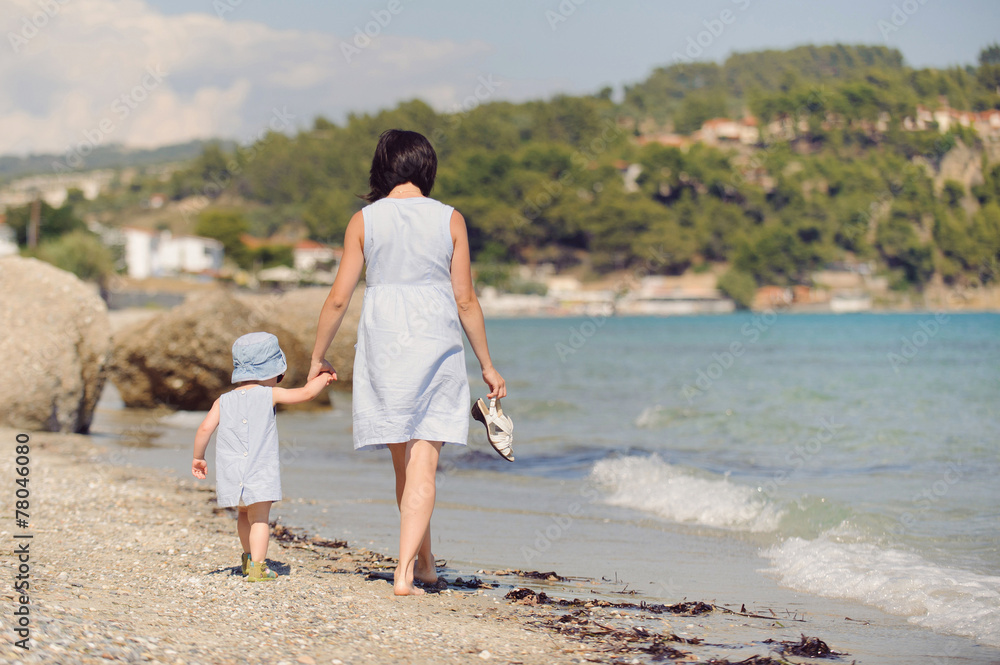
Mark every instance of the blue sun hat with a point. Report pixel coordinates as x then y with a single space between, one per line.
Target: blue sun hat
257 357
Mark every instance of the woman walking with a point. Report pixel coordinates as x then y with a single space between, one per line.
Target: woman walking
411 392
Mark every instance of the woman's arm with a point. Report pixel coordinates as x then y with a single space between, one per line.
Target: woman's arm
469 311
332 314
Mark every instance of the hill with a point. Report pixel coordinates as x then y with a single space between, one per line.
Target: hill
112 156
857 161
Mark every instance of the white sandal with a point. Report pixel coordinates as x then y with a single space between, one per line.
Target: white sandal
499 427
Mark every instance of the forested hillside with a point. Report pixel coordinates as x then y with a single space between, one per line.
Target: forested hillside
835 175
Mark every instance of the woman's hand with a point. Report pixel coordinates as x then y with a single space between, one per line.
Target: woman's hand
199 468
317 368
496 383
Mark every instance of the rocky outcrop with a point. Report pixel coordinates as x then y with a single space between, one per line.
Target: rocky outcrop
54 345
183 359
298 311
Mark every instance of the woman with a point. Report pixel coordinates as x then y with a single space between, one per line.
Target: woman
411 392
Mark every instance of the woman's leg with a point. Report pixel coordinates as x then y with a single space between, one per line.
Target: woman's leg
416 504
424 569
260 530
243 528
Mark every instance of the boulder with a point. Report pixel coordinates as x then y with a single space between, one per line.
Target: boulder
55 343
298 311
182 359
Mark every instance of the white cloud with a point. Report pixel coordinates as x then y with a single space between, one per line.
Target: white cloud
82 74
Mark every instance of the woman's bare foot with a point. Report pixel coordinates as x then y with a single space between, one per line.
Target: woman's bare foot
401 587
425 571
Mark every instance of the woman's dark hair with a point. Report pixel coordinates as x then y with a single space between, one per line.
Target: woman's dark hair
400 157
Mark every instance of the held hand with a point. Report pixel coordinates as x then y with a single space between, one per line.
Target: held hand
496 383
199 468
324 378
317 368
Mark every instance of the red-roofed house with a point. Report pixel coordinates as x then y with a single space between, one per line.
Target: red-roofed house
309 254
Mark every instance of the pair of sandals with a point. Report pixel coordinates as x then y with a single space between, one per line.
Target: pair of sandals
499 427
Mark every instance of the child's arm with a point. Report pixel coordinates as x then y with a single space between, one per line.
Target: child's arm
199 467
305 393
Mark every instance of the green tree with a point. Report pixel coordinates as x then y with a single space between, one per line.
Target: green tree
79 252
740 286
53 222
270 256
228 227
696 109
902 249
953 193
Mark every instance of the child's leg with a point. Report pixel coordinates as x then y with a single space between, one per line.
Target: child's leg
424 569
243 528
415 508
260 530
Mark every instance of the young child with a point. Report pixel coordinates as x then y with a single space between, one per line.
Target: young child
246 448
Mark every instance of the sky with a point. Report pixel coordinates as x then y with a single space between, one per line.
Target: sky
144 73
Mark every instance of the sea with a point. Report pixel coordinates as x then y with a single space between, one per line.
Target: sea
842 468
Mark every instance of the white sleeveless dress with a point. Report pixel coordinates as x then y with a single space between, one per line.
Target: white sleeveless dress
247 466
410 379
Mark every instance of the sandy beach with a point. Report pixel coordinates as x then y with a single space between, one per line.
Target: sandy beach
133 565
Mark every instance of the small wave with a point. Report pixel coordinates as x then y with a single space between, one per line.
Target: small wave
655 417
839 565
649 484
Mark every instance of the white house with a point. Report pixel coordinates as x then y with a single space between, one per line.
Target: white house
159 254
309 253
8 239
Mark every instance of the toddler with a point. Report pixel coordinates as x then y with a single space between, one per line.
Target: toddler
246 447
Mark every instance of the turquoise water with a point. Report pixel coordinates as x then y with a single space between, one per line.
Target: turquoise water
850 457
859 452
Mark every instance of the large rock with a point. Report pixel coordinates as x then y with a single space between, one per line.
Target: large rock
183 358
299 310
54 344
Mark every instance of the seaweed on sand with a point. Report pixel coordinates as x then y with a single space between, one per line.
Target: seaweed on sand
284 534
813 647
526 596
581 625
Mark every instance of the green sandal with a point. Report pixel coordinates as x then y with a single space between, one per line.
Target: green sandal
259 572
245 563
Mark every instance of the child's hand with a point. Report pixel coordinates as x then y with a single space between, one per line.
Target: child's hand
199 468
319 367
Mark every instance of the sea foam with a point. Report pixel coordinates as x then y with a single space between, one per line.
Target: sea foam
648 484
840 565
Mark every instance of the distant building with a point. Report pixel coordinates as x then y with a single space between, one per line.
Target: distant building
986 123
159 254
310 255
659 295
54 188
8 239
721 130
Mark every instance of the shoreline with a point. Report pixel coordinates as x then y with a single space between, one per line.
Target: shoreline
132 565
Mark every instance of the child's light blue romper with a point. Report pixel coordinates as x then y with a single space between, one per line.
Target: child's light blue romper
246 448
410 380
